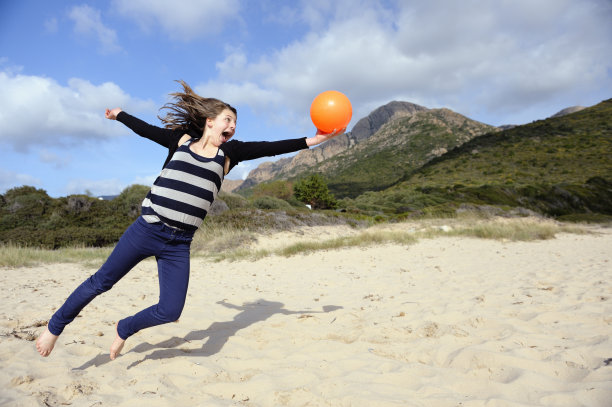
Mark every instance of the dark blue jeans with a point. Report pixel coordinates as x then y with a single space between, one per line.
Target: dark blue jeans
141 240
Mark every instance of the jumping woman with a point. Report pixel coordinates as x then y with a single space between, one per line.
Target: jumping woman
197 134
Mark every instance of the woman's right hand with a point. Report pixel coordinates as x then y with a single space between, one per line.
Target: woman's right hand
112 113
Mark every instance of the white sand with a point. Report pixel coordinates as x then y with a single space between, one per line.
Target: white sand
444 322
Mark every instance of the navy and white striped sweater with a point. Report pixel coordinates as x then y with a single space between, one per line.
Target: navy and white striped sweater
182 194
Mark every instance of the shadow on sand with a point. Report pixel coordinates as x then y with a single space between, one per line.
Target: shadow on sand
217 334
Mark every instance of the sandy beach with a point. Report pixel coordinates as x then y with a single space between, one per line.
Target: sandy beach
446 321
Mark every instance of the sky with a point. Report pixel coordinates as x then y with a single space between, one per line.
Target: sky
63 62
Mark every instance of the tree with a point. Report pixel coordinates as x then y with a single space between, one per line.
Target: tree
129 200
313 191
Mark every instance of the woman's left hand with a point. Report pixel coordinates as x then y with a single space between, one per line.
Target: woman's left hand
320 137
112 113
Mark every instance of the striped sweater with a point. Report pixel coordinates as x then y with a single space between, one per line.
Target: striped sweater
184 191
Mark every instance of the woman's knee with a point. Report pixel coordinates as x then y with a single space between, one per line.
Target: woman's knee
169 312
99 284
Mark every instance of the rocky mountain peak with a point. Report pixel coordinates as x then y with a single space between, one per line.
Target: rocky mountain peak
375 120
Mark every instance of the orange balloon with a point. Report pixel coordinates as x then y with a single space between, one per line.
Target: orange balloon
331 110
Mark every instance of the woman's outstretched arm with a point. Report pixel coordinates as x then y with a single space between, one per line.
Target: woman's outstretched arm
164 137
238 151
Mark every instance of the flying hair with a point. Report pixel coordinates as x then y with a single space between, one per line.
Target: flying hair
190 110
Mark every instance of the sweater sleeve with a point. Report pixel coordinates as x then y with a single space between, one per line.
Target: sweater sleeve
164 137
238 151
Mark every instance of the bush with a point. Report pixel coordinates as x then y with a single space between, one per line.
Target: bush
130 200
269 202
234 201
277 189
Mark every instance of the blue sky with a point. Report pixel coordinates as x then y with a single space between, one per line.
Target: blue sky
63 62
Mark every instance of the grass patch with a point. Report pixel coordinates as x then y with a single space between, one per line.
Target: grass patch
215 238
15 256
516 230
513 229
368 238
219 242
238 254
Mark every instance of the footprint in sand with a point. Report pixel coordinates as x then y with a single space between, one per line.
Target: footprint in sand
26 332
78 388
20 380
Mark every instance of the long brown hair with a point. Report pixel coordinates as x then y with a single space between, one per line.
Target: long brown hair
190 110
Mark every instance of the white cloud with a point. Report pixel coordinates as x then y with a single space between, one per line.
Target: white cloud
503 56
88 22
242 170
96 187
183 20
111 186
10 179
56 160
39 111
145 180
238 93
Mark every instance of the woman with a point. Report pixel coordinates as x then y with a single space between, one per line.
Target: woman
197 134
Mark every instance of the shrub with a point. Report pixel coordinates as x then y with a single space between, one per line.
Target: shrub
130 199
277 189
234 201
270 202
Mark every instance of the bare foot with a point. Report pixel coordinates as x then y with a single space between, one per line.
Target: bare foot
45 343
117 345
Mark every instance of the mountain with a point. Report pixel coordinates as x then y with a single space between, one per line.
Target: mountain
561 167
393 139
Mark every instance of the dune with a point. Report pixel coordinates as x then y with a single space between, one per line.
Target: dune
446 321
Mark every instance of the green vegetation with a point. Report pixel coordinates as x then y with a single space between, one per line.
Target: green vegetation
591 201
314 191
29 217
277 189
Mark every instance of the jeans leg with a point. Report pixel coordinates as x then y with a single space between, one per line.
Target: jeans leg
173 273
129 251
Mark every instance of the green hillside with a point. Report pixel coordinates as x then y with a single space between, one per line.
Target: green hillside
559 166
571 148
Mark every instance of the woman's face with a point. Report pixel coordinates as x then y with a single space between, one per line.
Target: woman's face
222 127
